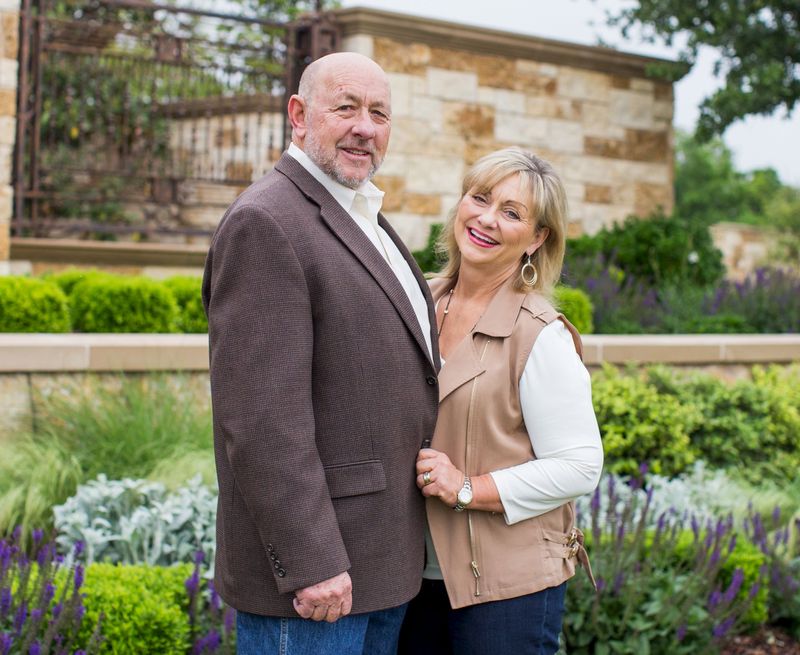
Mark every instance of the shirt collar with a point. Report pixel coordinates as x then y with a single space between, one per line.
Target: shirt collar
342 194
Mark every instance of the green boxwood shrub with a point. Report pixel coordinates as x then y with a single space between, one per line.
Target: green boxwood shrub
29 305
427 258
639 424
576 306
67 279
187 292
111 303
144 609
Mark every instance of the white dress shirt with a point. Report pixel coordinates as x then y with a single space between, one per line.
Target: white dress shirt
555 395
363 205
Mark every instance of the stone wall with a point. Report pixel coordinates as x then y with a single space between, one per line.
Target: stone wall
460 92
744 247
9 38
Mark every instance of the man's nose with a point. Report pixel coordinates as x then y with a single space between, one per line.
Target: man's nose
364 126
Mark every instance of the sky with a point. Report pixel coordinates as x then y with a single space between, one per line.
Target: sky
757 142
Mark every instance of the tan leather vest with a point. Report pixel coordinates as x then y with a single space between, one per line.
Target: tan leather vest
481 428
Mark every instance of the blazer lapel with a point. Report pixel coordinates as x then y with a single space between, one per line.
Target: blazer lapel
353 237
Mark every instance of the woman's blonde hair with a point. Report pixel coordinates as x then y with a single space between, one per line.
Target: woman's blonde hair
547 198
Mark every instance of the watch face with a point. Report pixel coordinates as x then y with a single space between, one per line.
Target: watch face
465 496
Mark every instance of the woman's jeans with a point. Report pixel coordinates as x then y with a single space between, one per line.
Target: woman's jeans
526 625
373 633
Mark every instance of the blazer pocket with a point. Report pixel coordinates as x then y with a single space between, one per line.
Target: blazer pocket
356 478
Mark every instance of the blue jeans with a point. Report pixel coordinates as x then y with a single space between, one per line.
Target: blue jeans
526 625
373 633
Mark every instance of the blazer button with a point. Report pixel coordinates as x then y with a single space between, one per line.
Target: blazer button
273 556
281 573
277 566
430 380
270 548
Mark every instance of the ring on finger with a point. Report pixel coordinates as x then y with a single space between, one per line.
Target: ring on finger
426 478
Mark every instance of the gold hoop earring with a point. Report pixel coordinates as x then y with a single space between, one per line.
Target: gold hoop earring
529 273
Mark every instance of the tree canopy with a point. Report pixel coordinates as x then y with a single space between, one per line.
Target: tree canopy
757 44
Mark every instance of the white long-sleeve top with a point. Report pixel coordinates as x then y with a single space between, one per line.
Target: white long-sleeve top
556 400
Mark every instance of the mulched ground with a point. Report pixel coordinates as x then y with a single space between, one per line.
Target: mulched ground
767 641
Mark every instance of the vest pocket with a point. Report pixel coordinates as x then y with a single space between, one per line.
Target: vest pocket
356 478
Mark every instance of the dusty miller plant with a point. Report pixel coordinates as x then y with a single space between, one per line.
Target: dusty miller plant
138 522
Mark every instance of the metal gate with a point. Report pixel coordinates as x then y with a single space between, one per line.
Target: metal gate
143 119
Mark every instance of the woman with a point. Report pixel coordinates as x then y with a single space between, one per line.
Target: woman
517 439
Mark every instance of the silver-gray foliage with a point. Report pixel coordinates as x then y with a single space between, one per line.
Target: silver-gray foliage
139 522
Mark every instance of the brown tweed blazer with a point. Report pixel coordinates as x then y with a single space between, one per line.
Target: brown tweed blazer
323 391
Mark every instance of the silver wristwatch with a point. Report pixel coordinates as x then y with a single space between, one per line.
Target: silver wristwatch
464 497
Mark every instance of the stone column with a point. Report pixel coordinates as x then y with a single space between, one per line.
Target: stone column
9 44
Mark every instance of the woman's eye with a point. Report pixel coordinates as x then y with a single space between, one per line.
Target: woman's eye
512 215
479 198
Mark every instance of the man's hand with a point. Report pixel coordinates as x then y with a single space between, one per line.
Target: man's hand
328 600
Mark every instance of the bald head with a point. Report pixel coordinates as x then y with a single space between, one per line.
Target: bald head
341 116
324 71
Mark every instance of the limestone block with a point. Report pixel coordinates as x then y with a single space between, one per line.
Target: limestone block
427 174
5 234
397 57
452 85
8 130
9 34
6 202
16 403
663 91
361 43
400 84
9 5
393 187
574 229
620 82
395 162
535 83
424 204
468 120
8 73
647 145
477 148
523 130
6 154
662 109
412 136
529 67
564 136
503 100
427 109
493 71
209 193
650 197
554 107
411 228
598 193
575 190
596 121
578 84
8 102
639 84
631 108
596 217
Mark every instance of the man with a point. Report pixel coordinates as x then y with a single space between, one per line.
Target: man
322 338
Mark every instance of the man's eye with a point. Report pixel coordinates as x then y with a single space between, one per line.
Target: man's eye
344 108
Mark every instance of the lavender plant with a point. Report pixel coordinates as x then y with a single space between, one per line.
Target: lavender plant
211 622
666 582
41 605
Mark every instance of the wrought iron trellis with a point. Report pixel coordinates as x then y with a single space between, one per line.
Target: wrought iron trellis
126 107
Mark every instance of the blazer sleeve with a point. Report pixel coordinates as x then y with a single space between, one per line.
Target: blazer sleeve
261 348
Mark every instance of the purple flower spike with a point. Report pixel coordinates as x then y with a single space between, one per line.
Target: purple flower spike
78 550
776 515
6 641
5 601
230 619
680 633
595 503
735 585
199 557
192 583
722 629
49 592
78 577
57 610
35 649
20 617
37 536
714 600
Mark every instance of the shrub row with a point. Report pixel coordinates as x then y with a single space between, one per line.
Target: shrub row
94 301
670 419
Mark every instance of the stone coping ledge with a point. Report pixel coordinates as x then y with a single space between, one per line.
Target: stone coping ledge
21 353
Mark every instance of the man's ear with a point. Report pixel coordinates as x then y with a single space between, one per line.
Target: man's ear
297 116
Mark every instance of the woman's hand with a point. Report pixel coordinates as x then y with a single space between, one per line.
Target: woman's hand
445 480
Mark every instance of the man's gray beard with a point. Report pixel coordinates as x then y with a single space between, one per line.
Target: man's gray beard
329 166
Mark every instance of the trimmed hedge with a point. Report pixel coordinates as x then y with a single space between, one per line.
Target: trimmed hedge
576 306
187 292
30 305
144 609
110 303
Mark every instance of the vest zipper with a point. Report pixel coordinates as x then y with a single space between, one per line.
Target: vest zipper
472 549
